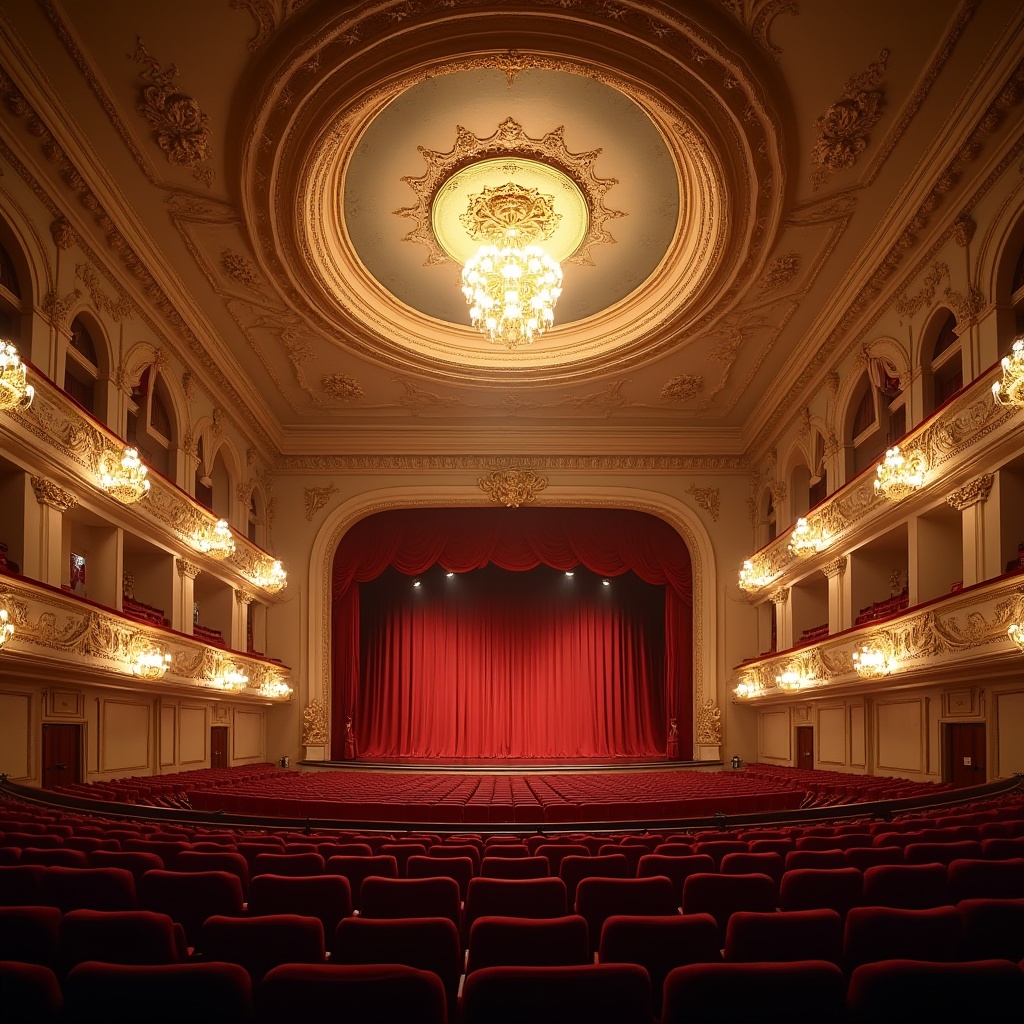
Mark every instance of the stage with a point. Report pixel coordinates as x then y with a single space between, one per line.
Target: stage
511 766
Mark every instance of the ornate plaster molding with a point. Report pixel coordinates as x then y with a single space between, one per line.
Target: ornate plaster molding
972 493
52 494
184 567
682 387
316 498
707 498
316 726
512 487
708 723
837 567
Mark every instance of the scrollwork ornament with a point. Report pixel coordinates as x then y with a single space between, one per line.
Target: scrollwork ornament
972 493
315 723
52 494
709 723
708 499
512 487
316 498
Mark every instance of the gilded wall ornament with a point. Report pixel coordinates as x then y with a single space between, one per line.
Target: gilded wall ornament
837 567
316 729
49 493
841 133
186 568
341 386
963 230
180 128
682 387
972 493
756 16
512 487
239 268
62 233
709 723
965 307
707 498
316 498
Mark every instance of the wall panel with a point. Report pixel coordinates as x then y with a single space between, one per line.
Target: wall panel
776 736
125 731
900 735
192 751
1009 734
831 736
247 736
16 728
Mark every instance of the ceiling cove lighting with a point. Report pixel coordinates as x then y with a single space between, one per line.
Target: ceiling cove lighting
899 474
15 390
1010 391
124 478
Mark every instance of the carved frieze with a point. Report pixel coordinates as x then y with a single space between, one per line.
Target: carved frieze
316 729
49 493
972 493
512 487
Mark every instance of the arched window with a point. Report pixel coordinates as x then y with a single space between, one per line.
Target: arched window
946 364
1017 299
864 416
865 436
10 298
81 367
203 484
150 426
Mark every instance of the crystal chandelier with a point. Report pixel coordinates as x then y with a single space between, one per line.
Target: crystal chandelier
792 679
1016 634
747 688
808 540
898 475
15 391
124 479
511 284
151 664
275 688
273 579
6 627
873 663
752 578
1010 391
231 679
215 541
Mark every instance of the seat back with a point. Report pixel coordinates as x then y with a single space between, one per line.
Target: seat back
135 861
411 897
575 868
294 864
815 859
785 936
89 888
260 943
327 897
557 852
941 853
835 889
909 886
514 867
514 897
470 850
676 868
864 857
202 860
30 993
30 935
459 868
985 879
597 899
716 849
886 933
528 942
992 929
191 897
402 852
357 869
722 895
120 937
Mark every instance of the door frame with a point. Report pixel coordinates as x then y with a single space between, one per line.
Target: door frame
227 744
796 744
947 748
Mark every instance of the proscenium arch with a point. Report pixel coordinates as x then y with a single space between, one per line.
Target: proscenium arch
674 512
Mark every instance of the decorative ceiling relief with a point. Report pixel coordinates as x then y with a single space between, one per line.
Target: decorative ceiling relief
180 128
512 487
341 386
239 268
269 16
682 387
781 271
756 16
841 133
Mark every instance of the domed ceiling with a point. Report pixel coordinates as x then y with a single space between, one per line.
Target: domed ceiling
726 175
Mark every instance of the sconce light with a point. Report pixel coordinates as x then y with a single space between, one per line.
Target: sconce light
275 688
873 663
123 479
898 475
793 679
752 578
215 541
6 627
747 688
808 540
15 390
1010 391
273 579
151 664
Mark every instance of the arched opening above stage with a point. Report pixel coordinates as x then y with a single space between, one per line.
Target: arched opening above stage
534 666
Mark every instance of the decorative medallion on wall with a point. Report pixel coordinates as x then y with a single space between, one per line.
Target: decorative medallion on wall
512 487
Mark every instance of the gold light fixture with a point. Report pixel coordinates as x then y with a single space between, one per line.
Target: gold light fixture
6 627
15 390
231 678
215 541
873 662
151 664
793 679
275 688
511 284
808 540
1016 633
274 579
900 474
124 478
1010 391
753 578
747 688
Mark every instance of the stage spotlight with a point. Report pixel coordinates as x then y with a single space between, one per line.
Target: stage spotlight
415 583
606 583
570 575
449 575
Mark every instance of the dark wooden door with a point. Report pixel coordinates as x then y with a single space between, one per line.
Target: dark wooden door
805 746
62 755
965 754
219 746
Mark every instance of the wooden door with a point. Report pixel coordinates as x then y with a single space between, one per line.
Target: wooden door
965 754
219 746
62 755
805 746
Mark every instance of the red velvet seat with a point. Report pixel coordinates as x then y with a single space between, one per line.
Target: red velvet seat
59 855
30 993
514 867
660 944
674 849
722 895
785 936
992 929
402 852
769 864
370 994
251 850
981 879
166 849
597 899
802 992
573 869
22 885
202 860
780 846
121 937
528 942
411 897
328 850
941 853
191 897
1002 848
30 935
294 864
470 850
716 849
901 990
557 852
595 993
883 933
358 869
163 993
815 859
458 868
910 886
89 888
327 897
136 862
260 943
813 889
426 943
864 857
10 855
514 897
632 853
511 850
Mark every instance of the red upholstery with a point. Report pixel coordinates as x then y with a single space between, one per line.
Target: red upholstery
910 886
514 867
573 869
369 994
941 853
898 991
802 992
597 899
59 855
357 869
675 868
716 849
196 860
30 993
89 888
22 885
632 853
327 897
514 897
659 944
786 936
459 868
260 943
470 850
864 857
402 852
780 846
595 993
1002 848
121 937
191 897
411 897
815 888
815 859
722 895
167 849
992 929
982 879
557 852
170 993
528 942
512 850
769 864
328 850
426 943
135 861
30 935
294 864
882 933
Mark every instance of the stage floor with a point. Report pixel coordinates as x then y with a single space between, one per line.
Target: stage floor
512 766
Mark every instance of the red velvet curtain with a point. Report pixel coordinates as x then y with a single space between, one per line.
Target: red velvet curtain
606 541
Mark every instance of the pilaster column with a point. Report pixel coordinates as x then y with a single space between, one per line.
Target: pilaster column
969 501
184 595
838 594
783 617
54 501
239 619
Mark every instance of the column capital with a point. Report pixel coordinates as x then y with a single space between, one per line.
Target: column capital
244 597
780 596
837 567
187 568
52 494
972 493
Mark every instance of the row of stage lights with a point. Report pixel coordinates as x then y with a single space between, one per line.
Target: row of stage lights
569 574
